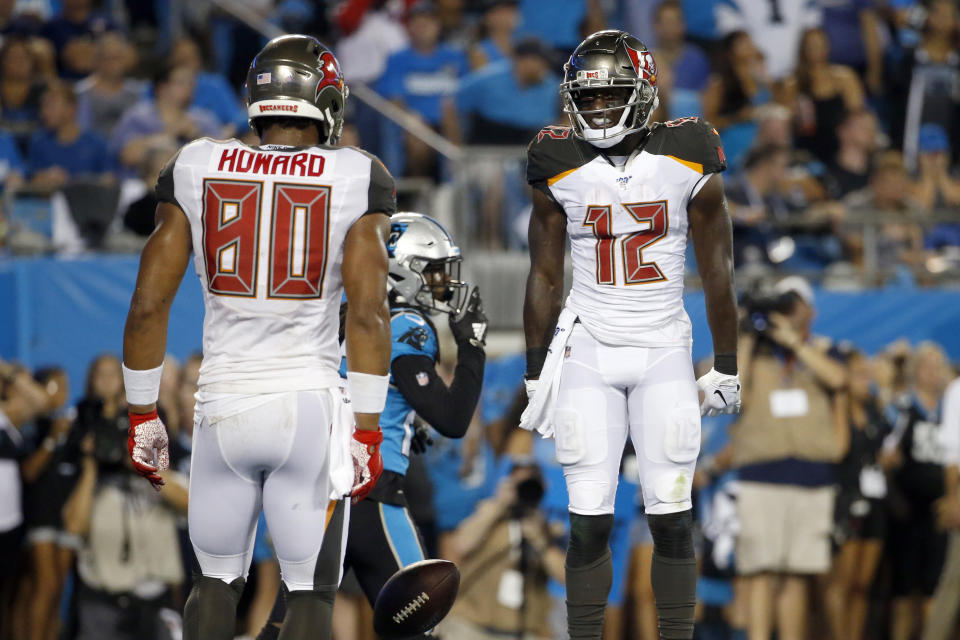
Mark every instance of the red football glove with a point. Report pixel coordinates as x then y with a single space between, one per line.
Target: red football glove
148 446
367 462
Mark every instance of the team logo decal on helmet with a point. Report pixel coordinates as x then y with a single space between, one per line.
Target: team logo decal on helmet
643 64
332 77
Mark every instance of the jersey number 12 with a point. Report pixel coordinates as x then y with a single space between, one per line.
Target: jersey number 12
635 270
299 230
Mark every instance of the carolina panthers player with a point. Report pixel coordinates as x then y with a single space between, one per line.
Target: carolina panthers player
424 278
626 192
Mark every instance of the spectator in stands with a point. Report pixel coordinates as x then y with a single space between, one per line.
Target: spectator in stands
61 151
899 239
849 170
104 95
164 118
922 89
561 30
139 217
73 34
935 188
917 454
784 447
500 19
856 40
820 94
758 202
775 27
504 585
211 90
20 88
683 64
861 512
49 474
371 36
734 92
506 102
12 168
420 77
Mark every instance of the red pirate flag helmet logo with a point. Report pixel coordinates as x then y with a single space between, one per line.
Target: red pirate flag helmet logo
331 74
643 64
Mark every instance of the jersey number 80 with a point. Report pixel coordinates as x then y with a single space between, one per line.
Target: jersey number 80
299 230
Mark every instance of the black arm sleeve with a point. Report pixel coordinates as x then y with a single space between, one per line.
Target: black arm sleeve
448 410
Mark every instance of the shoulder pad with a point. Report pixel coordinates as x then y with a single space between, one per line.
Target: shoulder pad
165 189
554 151
692 141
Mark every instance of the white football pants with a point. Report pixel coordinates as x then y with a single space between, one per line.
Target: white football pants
606 391
273 456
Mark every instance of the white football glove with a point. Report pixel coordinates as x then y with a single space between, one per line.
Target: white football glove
721 393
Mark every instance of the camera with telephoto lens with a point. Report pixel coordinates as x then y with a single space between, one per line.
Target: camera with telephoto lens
757 307
529 491
109 435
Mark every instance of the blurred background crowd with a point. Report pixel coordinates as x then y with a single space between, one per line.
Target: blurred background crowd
828 509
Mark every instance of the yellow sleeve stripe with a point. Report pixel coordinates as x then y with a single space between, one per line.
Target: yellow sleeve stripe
560 176
696 166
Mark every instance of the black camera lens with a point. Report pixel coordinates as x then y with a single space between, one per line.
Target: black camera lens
530 492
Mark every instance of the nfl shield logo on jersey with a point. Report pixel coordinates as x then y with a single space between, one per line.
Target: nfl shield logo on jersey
423 378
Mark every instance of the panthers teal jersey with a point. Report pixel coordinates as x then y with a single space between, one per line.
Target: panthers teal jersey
411 335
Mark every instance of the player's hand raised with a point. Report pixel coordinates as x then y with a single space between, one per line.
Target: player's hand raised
367 462
470 325
421 437
148 446
721 393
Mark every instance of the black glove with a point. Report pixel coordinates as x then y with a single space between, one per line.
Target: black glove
421 437
471 324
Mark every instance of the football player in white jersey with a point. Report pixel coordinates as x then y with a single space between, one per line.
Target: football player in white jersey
615 358
278 232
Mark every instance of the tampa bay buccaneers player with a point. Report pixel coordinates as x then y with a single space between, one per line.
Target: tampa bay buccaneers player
626 193
278 232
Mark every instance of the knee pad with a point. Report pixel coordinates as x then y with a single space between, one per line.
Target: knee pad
672 534
681 441
589 538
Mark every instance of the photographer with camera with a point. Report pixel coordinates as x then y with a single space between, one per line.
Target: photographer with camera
128 563
785 445
506 553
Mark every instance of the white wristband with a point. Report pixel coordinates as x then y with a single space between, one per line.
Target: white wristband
368 392
142 386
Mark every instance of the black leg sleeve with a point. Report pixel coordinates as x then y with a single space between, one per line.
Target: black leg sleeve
211 609
589 573
674 573
309 615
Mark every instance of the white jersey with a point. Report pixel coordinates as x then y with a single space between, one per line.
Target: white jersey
628 226
268 228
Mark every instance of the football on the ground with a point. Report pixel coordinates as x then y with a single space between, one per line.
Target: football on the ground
416 598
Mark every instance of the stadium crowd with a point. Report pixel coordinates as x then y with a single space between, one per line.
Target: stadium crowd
838 118
824 511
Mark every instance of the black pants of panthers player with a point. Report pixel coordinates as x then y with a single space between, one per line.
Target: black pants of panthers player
382 539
